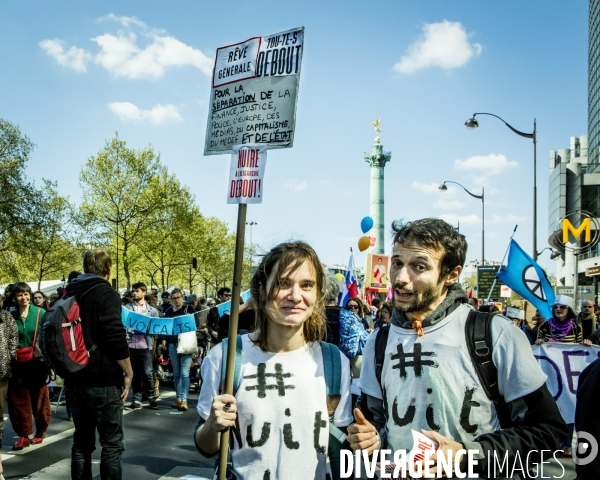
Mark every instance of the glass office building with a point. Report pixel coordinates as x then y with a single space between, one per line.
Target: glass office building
594 84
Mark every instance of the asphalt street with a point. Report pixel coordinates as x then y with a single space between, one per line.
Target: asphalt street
159 445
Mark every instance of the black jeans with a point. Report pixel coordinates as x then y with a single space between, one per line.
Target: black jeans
141 363
96 408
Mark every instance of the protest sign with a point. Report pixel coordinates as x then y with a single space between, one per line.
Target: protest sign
246 174
183 324
563 363
517 313
254 93
138 322
225 307
161 326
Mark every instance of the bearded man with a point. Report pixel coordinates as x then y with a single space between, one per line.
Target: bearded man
428 380
587 319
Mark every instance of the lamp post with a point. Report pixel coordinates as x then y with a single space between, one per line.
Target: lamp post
481 197
553 253
472 123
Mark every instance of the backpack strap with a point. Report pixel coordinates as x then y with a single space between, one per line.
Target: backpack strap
332 367
478 332
380 346
237 370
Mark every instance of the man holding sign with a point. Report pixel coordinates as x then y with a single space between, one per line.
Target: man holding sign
140 347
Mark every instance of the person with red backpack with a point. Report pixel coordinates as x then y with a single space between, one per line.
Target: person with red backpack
282 410
98 390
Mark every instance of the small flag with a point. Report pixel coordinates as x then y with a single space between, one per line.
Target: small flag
528 279
349 286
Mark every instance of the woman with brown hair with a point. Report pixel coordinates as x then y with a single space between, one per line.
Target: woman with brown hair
27 390
279 412
39 299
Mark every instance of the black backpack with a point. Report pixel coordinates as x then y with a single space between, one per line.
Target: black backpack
62 341
478 333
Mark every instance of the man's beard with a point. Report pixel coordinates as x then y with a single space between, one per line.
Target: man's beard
430 295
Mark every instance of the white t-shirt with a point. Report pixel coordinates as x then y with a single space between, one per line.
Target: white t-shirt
282 411
431 383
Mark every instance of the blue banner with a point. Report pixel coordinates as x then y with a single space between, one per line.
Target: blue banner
527 278
161 326
225 307
183 324
138 322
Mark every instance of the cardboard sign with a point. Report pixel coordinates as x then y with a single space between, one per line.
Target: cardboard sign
517 313
246 174
505 292
254 93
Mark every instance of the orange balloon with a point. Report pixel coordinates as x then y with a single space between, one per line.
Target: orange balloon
364 243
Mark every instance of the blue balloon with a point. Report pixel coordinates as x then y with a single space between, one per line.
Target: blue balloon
366 224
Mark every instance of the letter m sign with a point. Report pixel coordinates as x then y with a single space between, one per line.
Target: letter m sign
568 227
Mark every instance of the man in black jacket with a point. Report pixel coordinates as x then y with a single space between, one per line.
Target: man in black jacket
428 380
98 391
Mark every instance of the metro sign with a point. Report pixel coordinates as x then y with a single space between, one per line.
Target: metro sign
585 226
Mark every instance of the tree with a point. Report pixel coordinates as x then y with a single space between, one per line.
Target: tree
123 192
20 202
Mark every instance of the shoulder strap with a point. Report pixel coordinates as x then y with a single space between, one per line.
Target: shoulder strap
478 331
380 346
332 365
237 371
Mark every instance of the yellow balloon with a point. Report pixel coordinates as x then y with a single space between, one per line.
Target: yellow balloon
364 243
339 277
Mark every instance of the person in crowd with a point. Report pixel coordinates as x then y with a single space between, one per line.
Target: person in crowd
287 289
9 302
536 321
493 309
562 328
52 298
166 301
357 307
154 292
384 315
587 319
474 303
192 300
98 391
141 346
587 420
202 303
211 302
428 372
212 321
246 320
518 318
597 311
40 300
374 308
9 341
27 391
181 362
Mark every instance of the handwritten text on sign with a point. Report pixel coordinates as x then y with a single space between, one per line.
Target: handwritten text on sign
246 174
254 93
563 363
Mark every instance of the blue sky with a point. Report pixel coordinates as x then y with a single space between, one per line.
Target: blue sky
72 76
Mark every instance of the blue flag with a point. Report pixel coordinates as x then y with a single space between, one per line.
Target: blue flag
527 278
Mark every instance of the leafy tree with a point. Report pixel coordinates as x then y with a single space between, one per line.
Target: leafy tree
124 190
20 202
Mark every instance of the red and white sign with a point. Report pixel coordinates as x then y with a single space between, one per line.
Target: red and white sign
247 173
505 292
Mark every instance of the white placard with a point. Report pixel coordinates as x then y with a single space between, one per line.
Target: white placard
512 312
505 292
246 174
255 92
563 363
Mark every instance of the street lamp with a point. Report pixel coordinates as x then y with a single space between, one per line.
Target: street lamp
443 188
251 223
553 253
472 124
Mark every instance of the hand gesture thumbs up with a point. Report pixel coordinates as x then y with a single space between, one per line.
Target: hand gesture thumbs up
362 435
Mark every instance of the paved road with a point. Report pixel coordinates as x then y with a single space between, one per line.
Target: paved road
157 443
159 446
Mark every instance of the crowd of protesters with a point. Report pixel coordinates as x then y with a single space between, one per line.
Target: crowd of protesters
294 306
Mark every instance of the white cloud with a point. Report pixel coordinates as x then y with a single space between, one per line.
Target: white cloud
489 164
445 45
295 185
74 58
454 219
125 21
159 114
446 204
122 57
124 54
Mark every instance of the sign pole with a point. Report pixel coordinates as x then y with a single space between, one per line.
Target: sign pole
501 263
233 327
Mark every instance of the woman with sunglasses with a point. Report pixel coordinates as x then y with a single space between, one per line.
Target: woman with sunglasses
357 307
562 328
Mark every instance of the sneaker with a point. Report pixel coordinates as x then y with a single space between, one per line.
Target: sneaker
22 442
153 403
183 407
177 404
134 406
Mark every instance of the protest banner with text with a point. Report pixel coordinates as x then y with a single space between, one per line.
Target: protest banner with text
254 93
247 173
